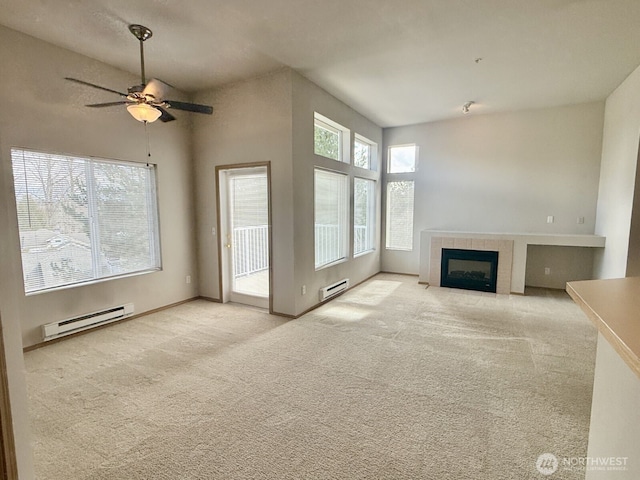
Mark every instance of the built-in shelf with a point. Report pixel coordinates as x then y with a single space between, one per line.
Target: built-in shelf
614 307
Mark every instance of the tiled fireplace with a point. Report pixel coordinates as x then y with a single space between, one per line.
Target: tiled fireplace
503 249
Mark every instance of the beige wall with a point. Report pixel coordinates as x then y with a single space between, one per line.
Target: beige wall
617 181
615 415
251 123
270 118
12 337
633 255
42 111
504 173
307 99
566 264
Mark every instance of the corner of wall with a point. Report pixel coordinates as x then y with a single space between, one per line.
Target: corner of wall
618 208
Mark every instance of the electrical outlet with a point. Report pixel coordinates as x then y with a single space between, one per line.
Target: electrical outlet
580 220
304 289
188 279
550 219
547 271
213 231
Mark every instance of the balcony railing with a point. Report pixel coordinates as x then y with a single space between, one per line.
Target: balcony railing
328 243
251 246
360 240
250 250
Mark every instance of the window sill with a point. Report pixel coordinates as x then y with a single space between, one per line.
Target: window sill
332 264
91 282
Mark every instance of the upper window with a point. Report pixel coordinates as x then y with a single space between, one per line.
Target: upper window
364 152
364 211
402 159
83 219
331 217
330 139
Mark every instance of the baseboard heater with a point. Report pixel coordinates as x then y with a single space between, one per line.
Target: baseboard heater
86 321
334 289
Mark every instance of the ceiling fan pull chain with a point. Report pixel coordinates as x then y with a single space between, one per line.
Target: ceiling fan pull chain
146 132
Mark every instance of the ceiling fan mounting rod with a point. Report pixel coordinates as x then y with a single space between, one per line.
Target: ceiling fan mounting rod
141 33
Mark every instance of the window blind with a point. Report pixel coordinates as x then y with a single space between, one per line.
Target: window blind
331 196
250 226
363 215
83 219
399 233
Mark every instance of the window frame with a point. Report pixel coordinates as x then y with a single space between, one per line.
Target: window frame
93 217
344 137
415 159
372 159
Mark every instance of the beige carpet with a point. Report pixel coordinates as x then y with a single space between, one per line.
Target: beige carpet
388 381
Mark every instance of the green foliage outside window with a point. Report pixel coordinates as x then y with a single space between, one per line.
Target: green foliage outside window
326 143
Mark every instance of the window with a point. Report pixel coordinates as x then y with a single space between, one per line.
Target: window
400 215
330 139
331 217
364 152
82 219
402 159
364 209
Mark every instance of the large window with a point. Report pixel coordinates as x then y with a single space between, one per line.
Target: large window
83 219
399 232
364 207
330 139
331 217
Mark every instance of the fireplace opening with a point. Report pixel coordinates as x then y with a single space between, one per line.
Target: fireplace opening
469 269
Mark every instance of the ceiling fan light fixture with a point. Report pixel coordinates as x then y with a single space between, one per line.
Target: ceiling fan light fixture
144 112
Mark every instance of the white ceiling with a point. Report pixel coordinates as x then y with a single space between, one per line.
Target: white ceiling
398 62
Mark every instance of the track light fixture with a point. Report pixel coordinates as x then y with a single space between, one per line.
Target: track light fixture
466 106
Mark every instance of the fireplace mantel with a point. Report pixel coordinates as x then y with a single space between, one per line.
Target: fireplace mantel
520 243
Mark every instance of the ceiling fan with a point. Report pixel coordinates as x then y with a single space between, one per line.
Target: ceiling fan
146 102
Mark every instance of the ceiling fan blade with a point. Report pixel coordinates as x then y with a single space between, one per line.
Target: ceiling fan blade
166 116
190 107
156 88
107 104
82 82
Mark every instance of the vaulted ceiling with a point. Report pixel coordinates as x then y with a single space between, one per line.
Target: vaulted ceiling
397 62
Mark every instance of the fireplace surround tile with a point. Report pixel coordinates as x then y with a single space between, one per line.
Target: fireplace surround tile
478 243
503 247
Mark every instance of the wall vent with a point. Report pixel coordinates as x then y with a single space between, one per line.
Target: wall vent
334 289
86 321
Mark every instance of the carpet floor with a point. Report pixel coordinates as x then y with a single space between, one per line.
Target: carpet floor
391 380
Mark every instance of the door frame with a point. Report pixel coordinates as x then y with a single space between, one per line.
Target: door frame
220 201
8 463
